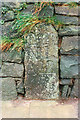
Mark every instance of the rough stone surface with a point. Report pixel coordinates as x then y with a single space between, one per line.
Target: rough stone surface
69 30
8 89
75 91
10 5
68 20
7 29
0 69
66 82
12 56
64 91
69 66
0 89
70 45
70 89
66 10
0 64
8 16
12 69
47 11
29 9
41 63
19 85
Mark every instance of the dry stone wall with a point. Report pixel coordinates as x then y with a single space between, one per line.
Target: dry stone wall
12 74
50 50
69 50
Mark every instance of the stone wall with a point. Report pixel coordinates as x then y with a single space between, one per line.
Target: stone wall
49 67
69 50
12 74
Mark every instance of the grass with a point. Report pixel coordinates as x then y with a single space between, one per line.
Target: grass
24 23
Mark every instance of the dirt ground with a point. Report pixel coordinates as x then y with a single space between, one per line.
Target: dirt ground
22 108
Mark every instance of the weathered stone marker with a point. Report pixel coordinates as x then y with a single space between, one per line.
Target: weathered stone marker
41 63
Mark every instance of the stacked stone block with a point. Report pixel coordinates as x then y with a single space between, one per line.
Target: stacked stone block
11 75
69 50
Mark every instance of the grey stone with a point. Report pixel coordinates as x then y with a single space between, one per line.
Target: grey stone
75 91
41 63
69 30
0 64
0 89
70 45
8 16
66 10
70 88
69 91
47 11
69 66
0 14
7 30
28 10
68 20
12 56
0 70
79 88
66 82
8 89
12 69
19 85
78 20
64 91
0 4
10 5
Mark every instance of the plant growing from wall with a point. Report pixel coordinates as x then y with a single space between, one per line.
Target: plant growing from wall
24 23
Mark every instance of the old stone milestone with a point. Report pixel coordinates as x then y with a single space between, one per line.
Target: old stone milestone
41 63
